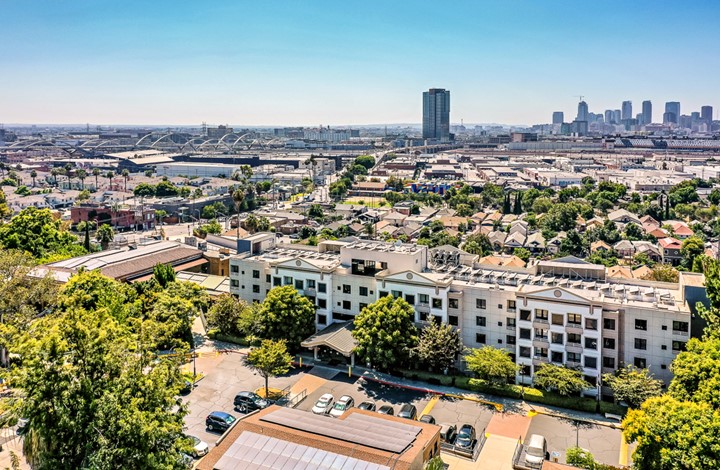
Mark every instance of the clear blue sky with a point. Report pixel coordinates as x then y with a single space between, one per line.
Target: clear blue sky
334 62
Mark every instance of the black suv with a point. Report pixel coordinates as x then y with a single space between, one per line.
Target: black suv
219 421
407 411
249 401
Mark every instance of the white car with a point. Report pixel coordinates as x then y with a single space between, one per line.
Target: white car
323 404
200 448
342 405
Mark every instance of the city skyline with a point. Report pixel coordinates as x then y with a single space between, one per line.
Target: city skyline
287 64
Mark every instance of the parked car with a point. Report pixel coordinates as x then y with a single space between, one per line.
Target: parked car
187 387
342 405
407 411
186 461
22 426
386 410
367 405
249 401
465 437
323 404
448 432
200 447
219 421
536 450
427 419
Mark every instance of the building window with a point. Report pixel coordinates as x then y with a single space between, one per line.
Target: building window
574 319
558 319
362 306
287 281
256 288
573 357
499 341
396 294
322 319
541 352
680 326
363 291
436 303
678 345
525 333
511 305
277 281
591 379
234 283
556 356
510 339
590 324
410 299
609 323
346 305
234 269
541 333
574 338
268 278
346 289
454 303
423 316
480 321
557 338
641 363
609 362
256 274
640 343
322 287
481 304
424 299
480 338
299 284
310 283
609 343
453 320
511 322
524 351
591 343
591 362
641 325
525 315
322 303
541 314
383 294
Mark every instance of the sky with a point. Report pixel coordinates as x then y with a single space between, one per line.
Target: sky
342 63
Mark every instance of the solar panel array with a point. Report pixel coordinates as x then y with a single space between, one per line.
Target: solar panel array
369 431
252 451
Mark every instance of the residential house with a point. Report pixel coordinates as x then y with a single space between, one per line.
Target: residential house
599 245
670 250
497 239
535 242
623 216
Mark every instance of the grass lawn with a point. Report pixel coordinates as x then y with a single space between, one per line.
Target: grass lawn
371 202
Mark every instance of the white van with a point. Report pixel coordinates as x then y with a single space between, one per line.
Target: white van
536 450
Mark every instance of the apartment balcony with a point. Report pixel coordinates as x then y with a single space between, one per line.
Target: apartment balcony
681 333
541 343
574 348
574 329
573 364
422 307
539 360
510 327
310 292
540 323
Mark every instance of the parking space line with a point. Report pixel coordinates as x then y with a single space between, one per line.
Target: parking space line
428 408
623 451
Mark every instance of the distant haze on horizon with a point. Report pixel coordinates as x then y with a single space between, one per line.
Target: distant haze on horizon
330 63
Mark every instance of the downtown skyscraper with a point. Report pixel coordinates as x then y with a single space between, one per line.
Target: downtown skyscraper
646 112
436 114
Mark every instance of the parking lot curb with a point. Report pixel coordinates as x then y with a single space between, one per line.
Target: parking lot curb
584 420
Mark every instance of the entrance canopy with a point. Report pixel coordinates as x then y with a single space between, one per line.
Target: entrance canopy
337 336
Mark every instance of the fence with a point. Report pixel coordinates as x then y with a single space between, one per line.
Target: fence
519 462
471 453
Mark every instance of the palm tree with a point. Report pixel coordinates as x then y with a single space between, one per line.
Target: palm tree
125 174
251 223
33 175
110 175
238 197
96 173
55 172
81 174
105 235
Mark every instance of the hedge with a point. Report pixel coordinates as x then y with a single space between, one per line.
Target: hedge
217 335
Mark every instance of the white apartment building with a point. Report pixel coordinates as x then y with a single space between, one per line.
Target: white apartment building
562 311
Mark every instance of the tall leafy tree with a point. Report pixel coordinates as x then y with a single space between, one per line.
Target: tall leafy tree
287 315
439 345
105 235
491 364
225 313
563 380
633 385
385 332
39 233
269 360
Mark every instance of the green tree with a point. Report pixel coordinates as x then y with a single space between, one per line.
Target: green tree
144 190
96 174
692 247
94 399
225 314
581 458
696 372
506 208
105 235
633 385
664 273
33 175
478 244
561 379
491 364
269 360
251 223
368 161
439 345
673 434
385 332
287 315
522 253
517 207
163 274
39 233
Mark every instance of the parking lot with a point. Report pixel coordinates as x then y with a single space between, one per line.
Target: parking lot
458 412
603 442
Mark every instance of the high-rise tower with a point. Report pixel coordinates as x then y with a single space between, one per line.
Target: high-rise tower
647 112
436 114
